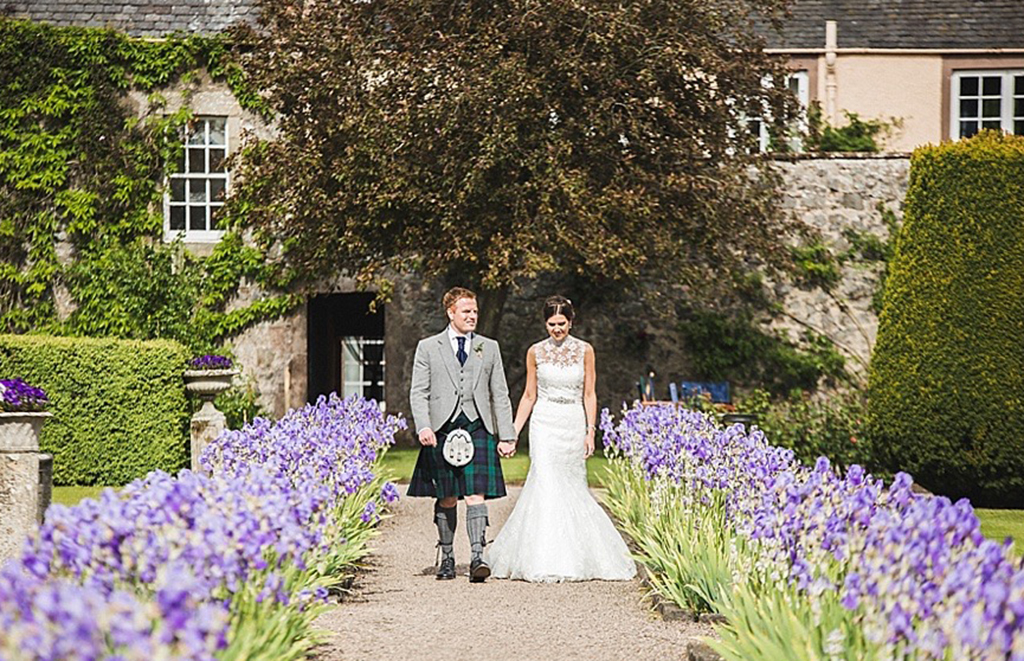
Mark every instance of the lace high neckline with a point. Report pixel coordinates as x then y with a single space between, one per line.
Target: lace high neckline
558 343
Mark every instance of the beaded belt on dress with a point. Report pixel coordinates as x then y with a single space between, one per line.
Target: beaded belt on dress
562 400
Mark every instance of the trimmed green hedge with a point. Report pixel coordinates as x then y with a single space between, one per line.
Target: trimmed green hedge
947 376
119 406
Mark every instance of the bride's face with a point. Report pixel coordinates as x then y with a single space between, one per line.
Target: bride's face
558 327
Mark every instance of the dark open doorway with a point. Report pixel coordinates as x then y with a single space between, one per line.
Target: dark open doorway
345 346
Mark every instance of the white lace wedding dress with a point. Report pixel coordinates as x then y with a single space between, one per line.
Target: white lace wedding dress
557 531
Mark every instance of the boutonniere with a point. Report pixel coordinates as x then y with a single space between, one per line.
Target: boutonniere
478 349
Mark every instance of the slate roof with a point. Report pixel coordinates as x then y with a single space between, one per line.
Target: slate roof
940 24
141 18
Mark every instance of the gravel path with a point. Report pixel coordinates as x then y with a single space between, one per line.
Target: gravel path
399 611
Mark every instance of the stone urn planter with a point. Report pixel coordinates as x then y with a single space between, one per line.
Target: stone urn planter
19 430
207 384
207 422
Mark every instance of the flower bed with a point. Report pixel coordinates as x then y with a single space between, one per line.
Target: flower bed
805 563
231 563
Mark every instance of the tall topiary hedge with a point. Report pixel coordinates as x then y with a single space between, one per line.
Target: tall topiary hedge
947 375
119 406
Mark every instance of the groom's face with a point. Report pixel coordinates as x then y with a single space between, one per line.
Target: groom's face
463 315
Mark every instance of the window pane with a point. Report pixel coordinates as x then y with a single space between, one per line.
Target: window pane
1018 107
374 372
197 218
373 353
216 160
177 190
353 371
1018 85
217 189
969 108
997 125
177 221
992 85
967 129
218 135
215 216
991 108
197 190
197 160
1018 127
197 135
179 163
969 86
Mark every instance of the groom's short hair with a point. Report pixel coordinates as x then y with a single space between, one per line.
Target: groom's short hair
454 294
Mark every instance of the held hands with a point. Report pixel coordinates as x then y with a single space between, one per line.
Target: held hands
506 449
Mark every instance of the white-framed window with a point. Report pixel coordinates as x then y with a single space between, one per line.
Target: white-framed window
799 84
362 367
196 191
986 99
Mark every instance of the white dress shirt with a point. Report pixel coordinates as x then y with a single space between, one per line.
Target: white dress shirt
453 338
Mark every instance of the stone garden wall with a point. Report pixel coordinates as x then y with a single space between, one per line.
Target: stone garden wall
837 196
829 194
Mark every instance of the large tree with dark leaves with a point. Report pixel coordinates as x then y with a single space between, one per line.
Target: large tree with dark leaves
491 141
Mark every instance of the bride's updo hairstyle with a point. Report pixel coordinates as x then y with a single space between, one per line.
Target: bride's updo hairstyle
558 305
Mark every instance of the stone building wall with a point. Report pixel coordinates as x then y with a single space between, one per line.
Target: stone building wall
837 195
829 194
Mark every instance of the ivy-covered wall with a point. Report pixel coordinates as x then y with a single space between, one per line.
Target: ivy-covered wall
82 170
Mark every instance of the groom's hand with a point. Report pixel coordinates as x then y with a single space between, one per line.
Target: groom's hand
427 437
506 448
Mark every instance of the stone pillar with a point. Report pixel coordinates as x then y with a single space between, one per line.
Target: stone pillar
207 424
19 479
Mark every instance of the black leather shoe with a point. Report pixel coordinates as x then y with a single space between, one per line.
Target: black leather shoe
446 571
478 570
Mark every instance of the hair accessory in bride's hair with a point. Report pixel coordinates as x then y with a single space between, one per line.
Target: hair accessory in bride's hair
558 305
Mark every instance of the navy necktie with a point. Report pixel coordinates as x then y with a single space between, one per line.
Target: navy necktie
461 353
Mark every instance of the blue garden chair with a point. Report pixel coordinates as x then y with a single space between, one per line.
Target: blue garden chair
717 390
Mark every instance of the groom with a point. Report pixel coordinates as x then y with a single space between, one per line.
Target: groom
458 382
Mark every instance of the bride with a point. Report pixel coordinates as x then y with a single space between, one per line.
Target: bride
557 531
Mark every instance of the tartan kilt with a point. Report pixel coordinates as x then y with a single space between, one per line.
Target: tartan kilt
436 478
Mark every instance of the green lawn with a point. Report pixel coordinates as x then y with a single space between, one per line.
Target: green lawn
1000 524
401 460
71 495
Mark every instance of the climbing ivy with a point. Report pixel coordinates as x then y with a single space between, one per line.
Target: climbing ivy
857 135
81 185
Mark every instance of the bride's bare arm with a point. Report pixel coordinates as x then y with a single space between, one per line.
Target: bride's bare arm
529 393
590 397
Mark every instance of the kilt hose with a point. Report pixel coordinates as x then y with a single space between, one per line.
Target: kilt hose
436 478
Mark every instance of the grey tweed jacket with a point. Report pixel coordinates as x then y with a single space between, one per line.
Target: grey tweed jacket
434 394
